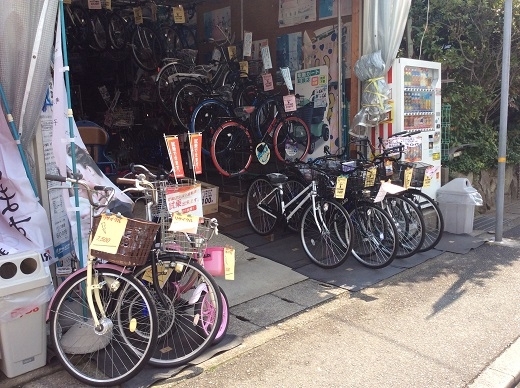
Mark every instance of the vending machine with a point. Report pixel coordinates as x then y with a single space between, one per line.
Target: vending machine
416 95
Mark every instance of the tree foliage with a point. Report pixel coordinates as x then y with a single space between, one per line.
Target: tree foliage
466 36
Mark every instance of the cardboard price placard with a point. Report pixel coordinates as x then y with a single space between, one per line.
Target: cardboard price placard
341 187
138 15
229 263
109 233
178 15
184 223
289 102
267 80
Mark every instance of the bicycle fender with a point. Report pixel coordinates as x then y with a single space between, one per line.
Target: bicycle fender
197 293
76 274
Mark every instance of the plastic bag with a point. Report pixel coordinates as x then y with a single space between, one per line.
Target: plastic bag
17 305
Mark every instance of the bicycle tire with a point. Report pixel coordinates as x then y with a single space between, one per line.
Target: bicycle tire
291 189
187 94
206 312
375 238
165 84
119 353
433 219
117 32
185 281
171 41
146 48
77 25
291 139
262 222
187 37
99 37
266 113
409 222
231 149
327 240
206 118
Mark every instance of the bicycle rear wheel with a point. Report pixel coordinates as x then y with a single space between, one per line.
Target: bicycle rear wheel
206 118
146 48
231 149
326 236
291 189
165 84
291 139
184 334
262 207
433 219
123 346
187 94
375 239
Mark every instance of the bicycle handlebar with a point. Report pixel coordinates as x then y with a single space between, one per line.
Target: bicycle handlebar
109 191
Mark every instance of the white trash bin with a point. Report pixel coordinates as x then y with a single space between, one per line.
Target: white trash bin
457 200
25 289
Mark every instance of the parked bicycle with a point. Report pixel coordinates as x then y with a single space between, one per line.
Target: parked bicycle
103 321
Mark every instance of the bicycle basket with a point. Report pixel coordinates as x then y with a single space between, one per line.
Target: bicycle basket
135 245
360 178
190 244
418 172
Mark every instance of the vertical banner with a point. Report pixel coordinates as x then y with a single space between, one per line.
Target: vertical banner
196 152
174 152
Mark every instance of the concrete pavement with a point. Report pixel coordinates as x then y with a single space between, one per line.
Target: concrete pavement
452 321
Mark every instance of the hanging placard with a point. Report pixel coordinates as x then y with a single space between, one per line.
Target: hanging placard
286 73
232 52
184 199
370 178
244 68
174 152
341 187
196 151
178 15
229 263
109 233
248 43
266 58
153 11
94 4
267 80
289 102
138 15
408 172
108 4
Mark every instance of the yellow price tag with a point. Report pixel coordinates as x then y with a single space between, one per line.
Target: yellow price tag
178 15
232 52
370 178
184 223
427 181
153 9
109 233
162 275
229 263
341 187
138 15
108 4
244 68
407 177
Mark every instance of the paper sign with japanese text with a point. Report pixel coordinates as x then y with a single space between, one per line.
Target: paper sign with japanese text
244 68
178 15
370 178
196 151
341 187
248 42
229 263
94 4
232 52
407 177
184 199
186 223
138 15
267 79
266 58
289 102
109 232
174 152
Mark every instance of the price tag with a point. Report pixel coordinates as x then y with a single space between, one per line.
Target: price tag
289 103
232 52
229 263
248 43
184 223
109 233
108 4
244 68
138 15
178 15
267 79
162 274
153 9
94 4
67 1
286 73
427 181
341 187
370 178
407 177
266 58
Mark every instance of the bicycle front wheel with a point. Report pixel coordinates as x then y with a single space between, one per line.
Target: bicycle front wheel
187 94
117 351
146 48
184 333
326 232
375 238
262 206
291 139
231 149
165 84
206 118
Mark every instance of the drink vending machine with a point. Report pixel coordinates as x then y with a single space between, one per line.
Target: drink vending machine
416 94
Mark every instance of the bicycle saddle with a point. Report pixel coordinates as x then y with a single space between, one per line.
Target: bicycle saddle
244 111
276 177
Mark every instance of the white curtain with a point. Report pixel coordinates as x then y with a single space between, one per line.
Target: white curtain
25 55
384 22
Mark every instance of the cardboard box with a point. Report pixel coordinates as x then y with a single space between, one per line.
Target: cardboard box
209 198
